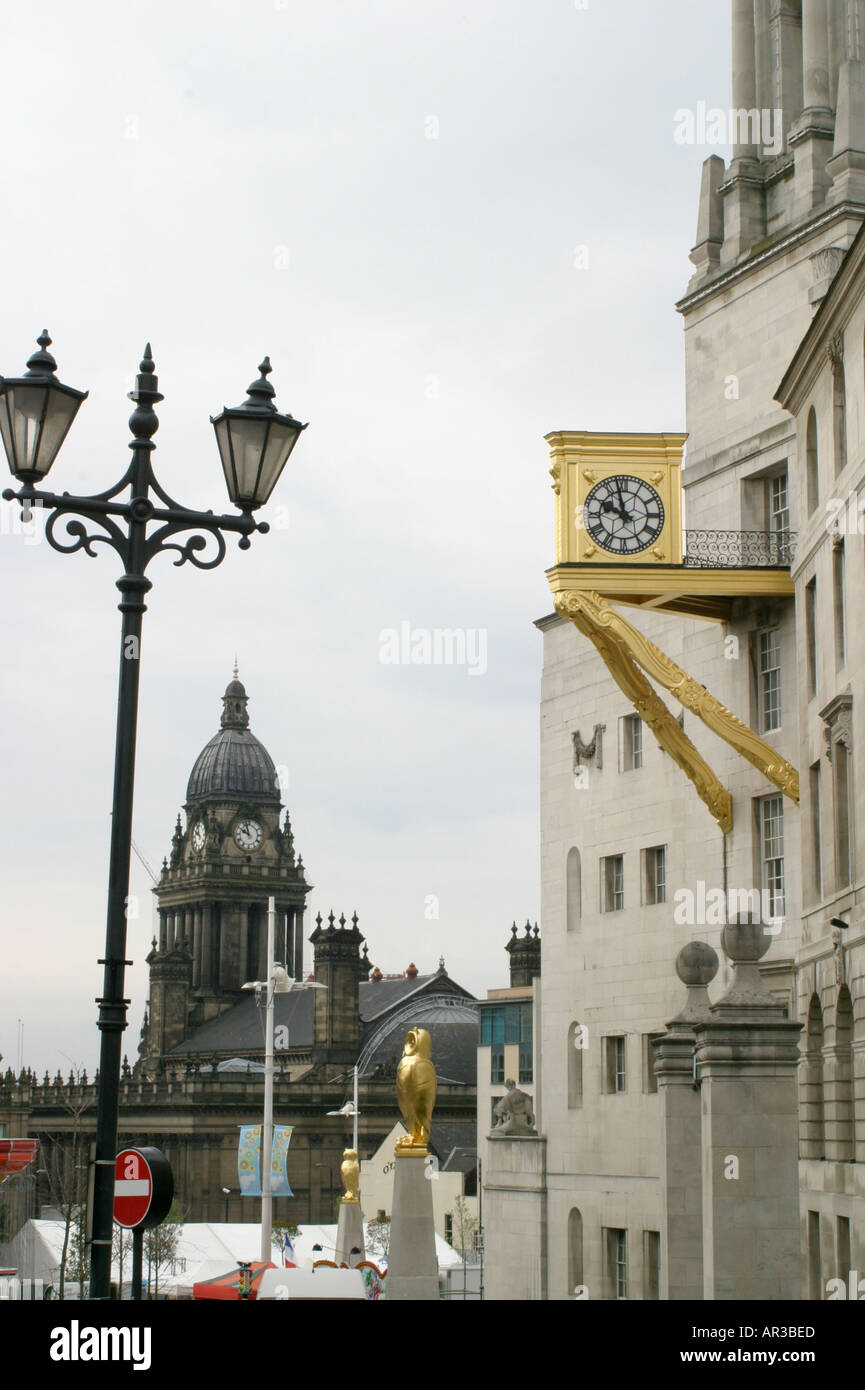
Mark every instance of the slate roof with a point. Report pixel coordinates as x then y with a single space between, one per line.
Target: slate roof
240 1029
379 998
435 1002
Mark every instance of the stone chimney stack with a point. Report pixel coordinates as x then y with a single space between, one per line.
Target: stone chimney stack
525 954
340 966
170 987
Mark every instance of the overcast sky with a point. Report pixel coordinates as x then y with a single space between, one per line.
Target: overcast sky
389 199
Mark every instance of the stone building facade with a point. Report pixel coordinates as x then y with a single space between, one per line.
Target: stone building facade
633 866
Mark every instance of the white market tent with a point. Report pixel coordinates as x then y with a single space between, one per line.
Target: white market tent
205 1249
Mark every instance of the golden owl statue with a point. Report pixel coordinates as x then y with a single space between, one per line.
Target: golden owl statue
350 1174
416 1091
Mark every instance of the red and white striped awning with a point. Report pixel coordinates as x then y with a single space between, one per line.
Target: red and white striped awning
15 1154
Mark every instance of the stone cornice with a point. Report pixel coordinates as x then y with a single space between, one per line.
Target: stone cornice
780 247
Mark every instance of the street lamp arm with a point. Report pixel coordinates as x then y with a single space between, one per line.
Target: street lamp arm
136 511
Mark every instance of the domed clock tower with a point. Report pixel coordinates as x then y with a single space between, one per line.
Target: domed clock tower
230 857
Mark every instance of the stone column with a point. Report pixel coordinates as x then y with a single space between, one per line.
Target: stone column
815 53
744 73
207 946
163 929
744 213
680 1153
196 948
747 1058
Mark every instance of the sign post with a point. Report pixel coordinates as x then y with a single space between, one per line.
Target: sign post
143 1193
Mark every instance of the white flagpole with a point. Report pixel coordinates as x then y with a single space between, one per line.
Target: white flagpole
267 1128
355 1111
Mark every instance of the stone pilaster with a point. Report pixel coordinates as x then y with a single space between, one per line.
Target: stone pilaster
747 1057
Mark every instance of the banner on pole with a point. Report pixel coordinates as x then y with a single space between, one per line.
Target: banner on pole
249 1161
279 1185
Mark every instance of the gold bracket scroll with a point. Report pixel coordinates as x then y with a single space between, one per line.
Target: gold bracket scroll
650 707
601 617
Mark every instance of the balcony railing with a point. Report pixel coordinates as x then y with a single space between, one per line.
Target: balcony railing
739 549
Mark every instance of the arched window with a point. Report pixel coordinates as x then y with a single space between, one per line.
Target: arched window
577 1039
838 1083
813 1132
812 472
574 889
575 1250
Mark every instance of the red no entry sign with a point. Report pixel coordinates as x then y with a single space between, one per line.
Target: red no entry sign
143 1187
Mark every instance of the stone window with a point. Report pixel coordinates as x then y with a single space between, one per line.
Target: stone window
655 875
811 635
575 1250
617 1263
812 466
630 743
839 603
835 350
771 827
815 1261
651 1265
449 1227
615 1063
613 883
577 1038
815 789
769 676
573 889
838 722
843 1261
778 506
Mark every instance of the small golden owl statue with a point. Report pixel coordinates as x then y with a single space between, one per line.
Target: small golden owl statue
350 1174
416 1092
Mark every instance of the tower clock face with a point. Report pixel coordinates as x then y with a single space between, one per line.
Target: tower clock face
248 834
623 515
198 836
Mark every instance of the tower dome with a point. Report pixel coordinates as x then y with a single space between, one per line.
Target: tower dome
234 763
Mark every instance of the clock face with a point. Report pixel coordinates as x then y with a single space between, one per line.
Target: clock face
248 834
198 836
623 514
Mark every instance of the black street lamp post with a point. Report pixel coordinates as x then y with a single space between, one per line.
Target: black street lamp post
36 412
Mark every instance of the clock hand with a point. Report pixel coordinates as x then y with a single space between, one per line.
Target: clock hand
622 513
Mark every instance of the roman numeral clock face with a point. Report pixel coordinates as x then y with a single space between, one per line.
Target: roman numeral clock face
623 515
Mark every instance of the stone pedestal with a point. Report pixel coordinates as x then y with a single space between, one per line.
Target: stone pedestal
349 1234
515 1218
680 1155
747 1058
412 1267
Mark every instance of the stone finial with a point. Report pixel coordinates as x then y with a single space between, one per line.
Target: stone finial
746 943
696 966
